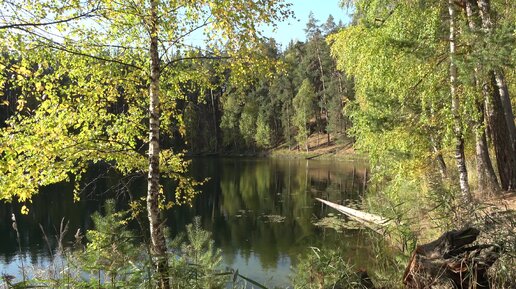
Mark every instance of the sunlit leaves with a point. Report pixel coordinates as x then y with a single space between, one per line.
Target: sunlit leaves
304 109
396 56
82 85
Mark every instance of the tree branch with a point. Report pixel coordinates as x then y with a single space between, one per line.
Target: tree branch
58 46
19 25
193 58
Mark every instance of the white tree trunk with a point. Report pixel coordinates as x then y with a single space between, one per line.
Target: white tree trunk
158 246
459 139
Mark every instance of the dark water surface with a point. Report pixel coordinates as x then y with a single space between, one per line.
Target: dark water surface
260 212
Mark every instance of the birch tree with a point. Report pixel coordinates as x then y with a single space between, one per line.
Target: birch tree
74 61
460 157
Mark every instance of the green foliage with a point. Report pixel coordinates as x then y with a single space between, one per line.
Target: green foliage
247 123
325 269
397 54
263 132
111 255
197 261
399 100
304 110
83 98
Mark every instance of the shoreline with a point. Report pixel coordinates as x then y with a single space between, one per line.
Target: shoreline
342 151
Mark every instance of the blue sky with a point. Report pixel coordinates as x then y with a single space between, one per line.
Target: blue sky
294 28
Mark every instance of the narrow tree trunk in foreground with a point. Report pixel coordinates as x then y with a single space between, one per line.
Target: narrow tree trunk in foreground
436 147
459 139
487 181
158 246
215 125
325 97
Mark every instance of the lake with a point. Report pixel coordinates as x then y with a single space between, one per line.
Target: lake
261 213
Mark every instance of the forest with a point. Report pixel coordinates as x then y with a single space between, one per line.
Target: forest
422 90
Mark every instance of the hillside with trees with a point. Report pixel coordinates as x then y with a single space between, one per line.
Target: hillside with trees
301 94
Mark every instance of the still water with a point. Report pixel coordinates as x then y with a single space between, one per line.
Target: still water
260 212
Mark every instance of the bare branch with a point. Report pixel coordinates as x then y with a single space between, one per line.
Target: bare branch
19 25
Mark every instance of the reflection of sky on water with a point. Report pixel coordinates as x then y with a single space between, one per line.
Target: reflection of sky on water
33 262
247 266
260 213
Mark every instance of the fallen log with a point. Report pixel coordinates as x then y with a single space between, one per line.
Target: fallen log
356 214
448 262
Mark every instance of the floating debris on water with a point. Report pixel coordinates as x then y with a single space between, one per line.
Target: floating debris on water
336 223
273 218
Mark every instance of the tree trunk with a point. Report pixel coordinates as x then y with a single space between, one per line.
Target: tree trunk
436 147
486 177
325 97
288 126
158 244
459 139
500 115
506 105
505 154
487 181
215 125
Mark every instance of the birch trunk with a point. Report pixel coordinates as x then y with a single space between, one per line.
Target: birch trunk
158 244
459 139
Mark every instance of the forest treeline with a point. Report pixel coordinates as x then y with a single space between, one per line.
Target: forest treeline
300 93
424 89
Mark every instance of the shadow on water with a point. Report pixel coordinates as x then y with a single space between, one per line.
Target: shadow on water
260 212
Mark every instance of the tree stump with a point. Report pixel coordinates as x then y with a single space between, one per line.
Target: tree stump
449 262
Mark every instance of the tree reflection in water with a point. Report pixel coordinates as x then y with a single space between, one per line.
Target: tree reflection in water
260 211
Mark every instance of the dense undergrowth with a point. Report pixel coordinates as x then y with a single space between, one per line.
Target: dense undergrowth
113 256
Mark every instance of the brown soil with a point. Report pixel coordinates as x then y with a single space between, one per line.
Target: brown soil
319 148
503 201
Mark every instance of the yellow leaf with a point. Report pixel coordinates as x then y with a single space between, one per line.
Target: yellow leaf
24 210
21 104
39 87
